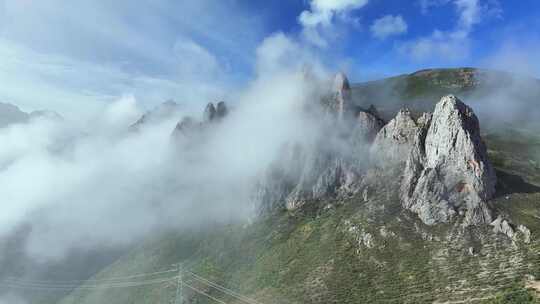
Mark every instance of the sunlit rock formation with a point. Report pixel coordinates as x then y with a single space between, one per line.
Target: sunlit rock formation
448 171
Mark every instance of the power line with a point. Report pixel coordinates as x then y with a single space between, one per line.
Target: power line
204 293
178 299
42 286
223 289
91 280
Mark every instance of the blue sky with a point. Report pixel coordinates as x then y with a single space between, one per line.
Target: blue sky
75 56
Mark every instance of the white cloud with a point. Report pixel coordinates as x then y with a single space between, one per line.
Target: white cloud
453 44
388 26
280 54
99 183
322 14
322 11
516 56
195 60
75 58
79 89
439 45
469 15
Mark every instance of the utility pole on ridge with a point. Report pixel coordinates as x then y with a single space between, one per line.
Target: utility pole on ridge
179 283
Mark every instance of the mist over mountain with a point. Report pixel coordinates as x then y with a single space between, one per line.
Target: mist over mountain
319 151
334 151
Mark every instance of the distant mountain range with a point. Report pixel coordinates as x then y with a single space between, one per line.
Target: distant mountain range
421 89
11 114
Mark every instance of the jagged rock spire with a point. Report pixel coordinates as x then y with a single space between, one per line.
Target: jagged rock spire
342 95
221 110
190 127
163 111
209 112
448 171
212 112
185 126
395 140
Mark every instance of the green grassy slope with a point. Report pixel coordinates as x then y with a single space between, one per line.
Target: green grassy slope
323 256
357 251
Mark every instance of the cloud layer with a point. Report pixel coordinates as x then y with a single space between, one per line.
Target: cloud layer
84 185
319 20
387 26
75 58
454 44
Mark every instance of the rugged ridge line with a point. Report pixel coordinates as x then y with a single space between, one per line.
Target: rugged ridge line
445 171
328 169
440 158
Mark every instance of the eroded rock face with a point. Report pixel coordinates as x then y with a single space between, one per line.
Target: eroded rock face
447 172
185 127
338 103
209 112
188 126
342 95
367 127
162 112
394 142
10 114
332 167
501 225
526 234
221 110
443 161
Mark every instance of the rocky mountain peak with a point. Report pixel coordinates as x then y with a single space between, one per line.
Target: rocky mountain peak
209 112
441 159
341 82
184 127
447 171
166 110
396 139
10 114
221 110
341 99
367 126
188 126
212 112
329 168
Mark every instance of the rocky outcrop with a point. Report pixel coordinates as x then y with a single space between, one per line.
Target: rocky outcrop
338 103
342 95
443 162
221 110
394 142
504 226
188 126
447 172
164 111
215 113
209 112
501 225
367 127
332 167
526 233
185 127
11 114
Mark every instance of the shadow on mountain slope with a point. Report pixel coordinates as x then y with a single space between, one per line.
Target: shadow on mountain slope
508 183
